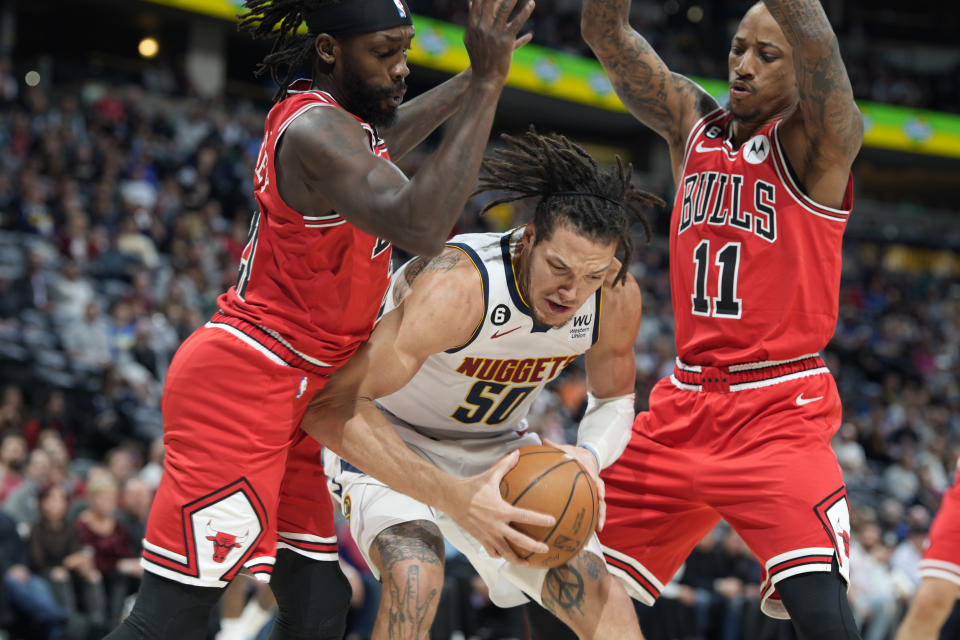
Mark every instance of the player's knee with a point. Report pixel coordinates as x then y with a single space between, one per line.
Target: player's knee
578 587
410 559
298 583
935 597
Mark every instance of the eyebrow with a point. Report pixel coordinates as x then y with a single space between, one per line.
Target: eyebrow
566 266
762 43
392 38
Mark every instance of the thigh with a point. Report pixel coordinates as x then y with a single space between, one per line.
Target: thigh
654 517
229 417
370 506
778 483
305 522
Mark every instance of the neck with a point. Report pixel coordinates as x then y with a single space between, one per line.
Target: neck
324 82
519 259
742 129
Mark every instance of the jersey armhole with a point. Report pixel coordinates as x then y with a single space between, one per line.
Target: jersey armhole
694 132
485 285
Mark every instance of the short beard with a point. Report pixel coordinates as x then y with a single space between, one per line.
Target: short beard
525 292
366 102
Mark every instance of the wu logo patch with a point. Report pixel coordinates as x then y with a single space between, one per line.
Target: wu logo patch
757 149
582 321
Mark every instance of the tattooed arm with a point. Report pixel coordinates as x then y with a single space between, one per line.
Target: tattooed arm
418 118
441 309
823 137
667 102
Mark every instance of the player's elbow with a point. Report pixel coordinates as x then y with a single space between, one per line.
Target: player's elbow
424 243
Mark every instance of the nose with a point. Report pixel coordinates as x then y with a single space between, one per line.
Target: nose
400 71
745 66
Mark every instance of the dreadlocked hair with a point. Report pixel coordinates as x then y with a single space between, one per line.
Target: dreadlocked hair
280 19
571 187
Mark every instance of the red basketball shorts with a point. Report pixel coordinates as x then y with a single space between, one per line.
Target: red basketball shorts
750 444
241 478
942 557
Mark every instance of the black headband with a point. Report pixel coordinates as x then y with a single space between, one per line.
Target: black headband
351 17
586 194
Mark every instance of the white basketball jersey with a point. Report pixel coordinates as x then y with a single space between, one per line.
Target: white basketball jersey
487 385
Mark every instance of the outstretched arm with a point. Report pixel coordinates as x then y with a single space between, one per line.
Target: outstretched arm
441 310
828 120
418 118
667 102
328 166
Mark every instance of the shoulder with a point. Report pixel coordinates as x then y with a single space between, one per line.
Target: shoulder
623 296
323 125
451 283
620 312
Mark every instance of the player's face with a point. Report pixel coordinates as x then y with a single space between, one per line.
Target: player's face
760 63
373 72
562 272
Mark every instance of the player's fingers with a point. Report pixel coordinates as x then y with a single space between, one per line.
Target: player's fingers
525 516
521 17
522 40
520 540
504 464
502 11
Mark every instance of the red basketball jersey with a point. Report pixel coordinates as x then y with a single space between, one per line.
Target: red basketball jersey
754 263
309 286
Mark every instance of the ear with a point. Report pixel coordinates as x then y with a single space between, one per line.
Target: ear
529 236
327 47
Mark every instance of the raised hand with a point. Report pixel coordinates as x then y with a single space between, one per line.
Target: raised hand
487 516
491 36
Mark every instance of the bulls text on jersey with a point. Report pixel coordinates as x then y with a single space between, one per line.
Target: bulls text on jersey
718 198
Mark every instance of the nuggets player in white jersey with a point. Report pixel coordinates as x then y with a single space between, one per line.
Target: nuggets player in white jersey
475 335
742 428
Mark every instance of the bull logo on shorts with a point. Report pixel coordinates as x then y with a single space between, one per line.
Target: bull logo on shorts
223 543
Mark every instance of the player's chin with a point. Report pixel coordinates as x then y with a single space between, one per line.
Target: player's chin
553 314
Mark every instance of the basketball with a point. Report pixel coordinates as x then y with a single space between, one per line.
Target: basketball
547 480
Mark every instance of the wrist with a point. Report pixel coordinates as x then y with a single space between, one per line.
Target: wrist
592 450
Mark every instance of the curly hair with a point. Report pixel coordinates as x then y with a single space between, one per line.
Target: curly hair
571 187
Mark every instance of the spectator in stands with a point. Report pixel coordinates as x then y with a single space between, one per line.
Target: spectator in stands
114 557
53 417
71 292
88 341
57 554
873 595
31 596
21 504
134 509
13 456
12 411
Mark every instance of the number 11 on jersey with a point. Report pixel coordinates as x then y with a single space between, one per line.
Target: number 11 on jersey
726 304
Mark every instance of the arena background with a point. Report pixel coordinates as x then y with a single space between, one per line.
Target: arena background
128 130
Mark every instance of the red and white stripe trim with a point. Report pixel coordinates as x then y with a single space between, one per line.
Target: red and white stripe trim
939 569
750 375
309 545
786 177
639 582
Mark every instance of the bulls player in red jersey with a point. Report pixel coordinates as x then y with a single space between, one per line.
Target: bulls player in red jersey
742 428
243 487
939 573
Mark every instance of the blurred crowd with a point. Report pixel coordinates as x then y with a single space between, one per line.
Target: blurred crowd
123 213
878 71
